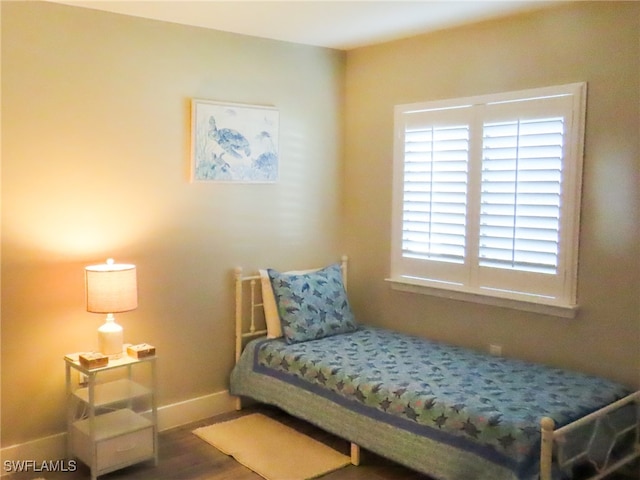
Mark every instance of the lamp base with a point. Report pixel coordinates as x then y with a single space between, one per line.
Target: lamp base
110 337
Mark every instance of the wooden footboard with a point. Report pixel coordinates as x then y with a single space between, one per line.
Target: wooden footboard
600 419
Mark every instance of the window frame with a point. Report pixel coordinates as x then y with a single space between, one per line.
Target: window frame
564 303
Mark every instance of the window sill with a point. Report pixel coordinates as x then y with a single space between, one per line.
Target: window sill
485 298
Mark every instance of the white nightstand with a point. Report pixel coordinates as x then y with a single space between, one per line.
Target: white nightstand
112 420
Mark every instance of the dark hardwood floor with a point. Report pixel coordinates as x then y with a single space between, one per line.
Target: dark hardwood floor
183 456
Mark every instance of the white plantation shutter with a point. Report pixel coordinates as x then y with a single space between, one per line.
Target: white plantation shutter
520 200
432 193
486 194
435 193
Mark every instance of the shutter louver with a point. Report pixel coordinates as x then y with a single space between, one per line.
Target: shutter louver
435 193
521 194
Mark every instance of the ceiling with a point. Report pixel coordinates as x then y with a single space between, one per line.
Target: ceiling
334 24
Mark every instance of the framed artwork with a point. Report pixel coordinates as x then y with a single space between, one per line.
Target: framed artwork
233 142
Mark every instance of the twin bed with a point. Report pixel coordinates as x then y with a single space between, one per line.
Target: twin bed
449 412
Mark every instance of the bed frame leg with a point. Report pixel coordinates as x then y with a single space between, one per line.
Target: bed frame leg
355 454
546 448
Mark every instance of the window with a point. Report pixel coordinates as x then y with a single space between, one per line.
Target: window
487 195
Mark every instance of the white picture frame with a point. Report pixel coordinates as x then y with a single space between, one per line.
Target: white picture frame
232 142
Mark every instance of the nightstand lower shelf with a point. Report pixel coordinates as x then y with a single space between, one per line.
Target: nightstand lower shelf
113 392
121 438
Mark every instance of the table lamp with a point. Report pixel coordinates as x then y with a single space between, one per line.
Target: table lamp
111 288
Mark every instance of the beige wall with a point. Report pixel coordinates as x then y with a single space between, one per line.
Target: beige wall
95 131
95 110
597 42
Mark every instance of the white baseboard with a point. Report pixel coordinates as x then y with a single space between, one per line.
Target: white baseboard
194 409
53 447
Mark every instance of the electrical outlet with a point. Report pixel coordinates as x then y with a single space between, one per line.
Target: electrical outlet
495 349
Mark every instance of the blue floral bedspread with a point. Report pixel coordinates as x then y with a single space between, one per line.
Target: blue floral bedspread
487 405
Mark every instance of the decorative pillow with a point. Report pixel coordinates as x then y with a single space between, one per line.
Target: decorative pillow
312 305
271 316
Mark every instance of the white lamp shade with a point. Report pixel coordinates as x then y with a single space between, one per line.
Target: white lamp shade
111 288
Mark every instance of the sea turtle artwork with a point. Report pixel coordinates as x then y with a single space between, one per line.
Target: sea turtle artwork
267 161
231 141
234 143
